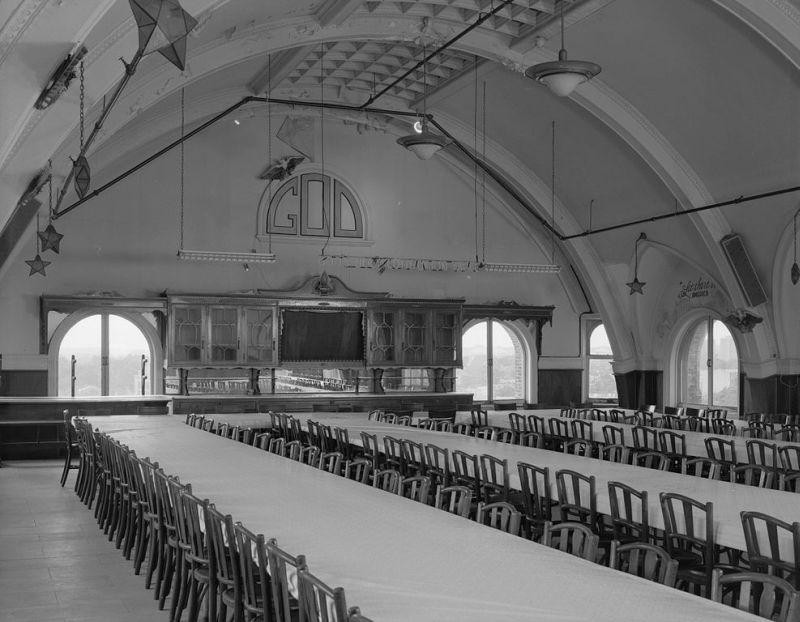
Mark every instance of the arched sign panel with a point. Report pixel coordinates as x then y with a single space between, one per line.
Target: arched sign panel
304 204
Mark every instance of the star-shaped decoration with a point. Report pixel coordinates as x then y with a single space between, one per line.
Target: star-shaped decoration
163 26
37 264
51 239
636 286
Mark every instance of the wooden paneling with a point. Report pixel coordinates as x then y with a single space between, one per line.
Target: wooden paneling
774 394
559 387
23 382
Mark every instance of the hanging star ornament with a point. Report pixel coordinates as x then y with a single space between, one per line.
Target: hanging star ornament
636 286
51 239
163 27
37 265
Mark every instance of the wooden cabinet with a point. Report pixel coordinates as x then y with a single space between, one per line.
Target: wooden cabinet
414 336
222 335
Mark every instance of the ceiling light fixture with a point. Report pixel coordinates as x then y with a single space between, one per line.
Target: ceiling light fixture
562 76
636 286
423 143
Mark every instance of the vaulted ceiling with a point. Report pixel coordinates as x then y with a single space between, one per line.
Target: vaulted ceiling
698 100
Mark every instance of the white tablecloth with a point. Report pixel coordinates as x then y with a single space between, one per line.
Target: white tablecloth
398 560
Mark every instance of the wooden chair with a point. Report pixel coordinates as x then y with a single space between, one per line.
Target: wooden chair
673 445
386 479
613 435
167 569
294 449
71 449
480 418
723 427
573 538
723 451
628 513
559 433
462 428
358 470
326 437
689 538
791 482
487 433
537 424
466 471
454 499
701 467
644 560
343 445
789 432
578 447
764 595
222 546
403 420
310 455
790 458
318 602
253 570
752 475
443 425
768 545
582 429
282 568
437 461
537 501
426 424
531 439
762 453
197 576
503 435
393 453
416 488
331 462
374 415
759 430
645 439
650 460
615 453
262 440
413 457
494 478
577 497
517 422
499 515
277 446
370 450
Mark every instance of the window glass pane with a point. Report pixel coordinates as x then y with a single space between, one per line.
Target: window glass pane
472 378
696 366
126 345
509 364
726 367
82 341
601 379
598 342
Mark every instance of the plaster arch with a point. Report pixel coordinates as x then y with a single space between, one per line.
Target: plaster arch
147 329
785 301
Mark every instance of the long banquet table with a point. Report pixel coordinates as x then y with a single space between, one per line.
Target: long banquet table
695 441
728 499
399 560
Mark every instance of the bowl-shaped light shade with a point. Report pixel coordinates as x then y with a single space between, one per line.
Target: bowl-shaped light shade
562 76
423 145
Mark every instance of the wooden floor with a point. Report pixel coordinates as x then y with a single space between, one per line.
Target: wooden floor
55 564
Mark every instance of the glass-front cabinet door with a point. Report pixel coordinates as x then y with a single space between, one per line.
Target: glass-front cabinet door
187 325
414 344
224 331
259 336
446 337
382 341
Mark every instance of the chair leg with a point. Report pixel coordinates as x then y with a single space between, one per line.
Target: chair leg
67 464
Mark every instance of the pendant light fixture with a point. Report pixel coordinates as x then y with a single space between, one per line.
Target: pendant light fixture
636 286
37 265
423 143
83 174
563 75
50 239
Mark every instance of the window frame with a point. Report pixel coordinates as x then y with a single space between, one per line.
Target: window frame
590 326
683 353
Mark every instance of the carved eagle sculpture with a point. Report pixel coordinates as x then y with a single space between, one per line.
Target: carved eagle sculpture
282 168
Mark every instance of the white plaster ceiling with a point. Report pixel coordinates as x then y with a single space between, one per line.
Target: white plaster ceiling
698 101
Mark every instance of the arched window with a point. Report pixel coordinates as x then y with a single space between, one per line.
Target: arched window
494 363
601 384
709 366
108 352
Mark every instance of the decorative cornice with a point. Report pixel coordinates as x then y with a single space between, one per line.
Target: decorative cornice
17 24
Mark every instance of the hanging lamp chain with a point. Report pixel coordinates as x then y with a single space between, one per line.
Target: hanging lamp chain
50 191
82 100
183 163
483 177
553 194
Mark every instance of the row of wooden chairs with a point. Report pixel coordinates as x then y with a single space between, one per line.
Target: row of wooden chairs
153 516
